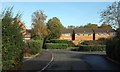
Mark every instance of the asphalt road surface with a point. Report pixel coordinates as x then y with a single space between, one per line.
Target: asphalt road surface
67 61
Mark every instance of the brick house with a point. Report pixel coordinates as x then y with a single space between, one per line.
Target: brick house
103 33
66 34
28 34
23 31
81 34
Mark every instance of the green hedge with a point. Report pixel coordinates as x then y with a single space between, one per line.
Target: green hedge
113 49
56 45
92 48
93 42
12 41
35 46
57 41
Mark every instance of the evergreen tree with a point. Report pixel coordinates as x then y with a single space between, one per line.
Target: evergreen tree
12 41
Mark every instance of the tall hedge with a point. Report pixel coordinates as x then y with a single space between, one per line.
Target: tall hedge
56 46
92 48
57 41
113 49
35 46
12 41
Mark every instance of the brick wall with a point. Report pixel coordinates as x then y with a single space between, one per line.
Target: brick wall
82 37
63 36
97 36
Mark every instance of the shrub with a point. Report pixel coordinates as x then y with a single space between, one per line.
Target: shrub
113 48
57 41
92 47
35 46
102 39
71 44
92 42
12 41
56 46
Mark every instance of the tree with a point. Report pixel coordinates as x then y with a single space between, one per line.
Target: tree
71 27
54 28
89 25
105 26
12 40
81 26
112 15
39 28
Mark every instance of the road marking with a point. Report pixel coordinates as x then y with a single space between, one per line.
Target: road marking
47 64
113 60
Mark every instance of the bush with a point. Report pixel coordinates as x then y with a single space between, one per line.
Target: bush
35 46
56 46
92 42
92 47
57 41
71 44
12 41
113 48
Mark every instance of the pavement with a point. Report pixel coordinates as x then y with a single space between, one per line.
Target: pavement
35 64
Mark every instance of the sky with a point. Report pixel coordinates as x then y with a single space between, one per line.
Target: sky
69 13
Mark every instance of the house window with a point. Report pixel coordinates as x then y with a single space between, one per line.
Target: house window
89 34
78 34
99 34
67 34
83 34
105 34
29 34
112 34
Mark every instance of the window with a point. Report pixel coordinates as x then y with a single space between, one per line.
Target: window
99 34
112 34
89 34
105 34
83 34
78 34
67 34
29 33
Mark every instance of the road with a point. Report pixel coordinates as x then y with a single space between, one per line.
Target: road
65 61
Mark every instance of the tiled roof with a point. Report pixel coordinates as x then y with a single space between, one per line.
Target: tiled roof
102 30
67 30
83 30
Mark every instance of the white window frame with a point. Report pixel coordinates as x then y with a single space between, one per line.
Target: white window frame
67 34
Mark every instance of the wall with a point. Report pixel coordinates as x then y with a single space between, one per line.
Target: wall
63 36
85 37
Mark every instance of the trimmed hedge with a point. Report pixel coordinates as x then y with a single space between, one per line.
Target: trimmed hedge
92 42
113 49
57 41
92 47
56 46
35 46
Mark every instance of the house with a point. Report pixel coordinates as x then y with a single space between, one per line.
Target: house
82 34
28 34
23 31
66 34
103 33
